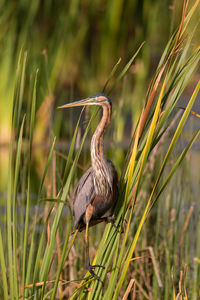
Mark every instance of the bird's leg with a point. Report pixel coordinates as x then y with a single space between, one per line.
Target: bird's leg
88 215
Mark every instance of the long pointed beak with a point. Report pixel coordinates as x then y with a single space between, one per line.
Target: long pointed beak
82 102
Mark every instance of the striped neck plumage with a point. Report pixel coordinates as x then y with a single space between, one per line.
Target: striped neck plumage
102 180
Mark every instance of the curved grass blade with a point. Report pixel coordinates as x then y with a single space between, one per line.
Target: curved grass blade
111 75
71 149
125 69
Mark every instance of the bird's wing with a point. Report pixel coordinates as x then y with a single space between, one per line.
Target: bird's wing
84 194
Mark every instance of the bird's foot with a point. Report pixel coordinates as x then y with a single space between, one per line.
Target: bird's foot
112 220
90 269
97 266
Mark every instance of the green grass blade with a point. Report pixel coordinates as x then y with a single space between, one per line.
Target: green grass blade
65 253
38 259
132 163
26 225
16 90
33 111
111 75
46 167
125 69
3 269
21 92
9 226
190 14
151 132
16 177
71 149
16 109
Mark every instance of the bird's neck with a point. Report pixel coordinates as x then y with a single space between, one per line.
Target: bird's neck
99 162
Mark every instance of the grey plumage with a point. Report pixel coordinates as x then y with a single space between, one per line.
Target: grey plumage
85 195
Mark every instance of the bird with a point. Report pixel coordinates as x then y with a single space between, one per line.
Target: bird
97 190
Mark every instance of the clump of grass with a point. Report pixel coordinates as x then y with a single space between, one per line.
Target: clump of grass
172 76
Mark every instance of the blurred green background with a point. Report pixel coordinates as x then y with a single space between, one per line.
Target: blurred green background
75 44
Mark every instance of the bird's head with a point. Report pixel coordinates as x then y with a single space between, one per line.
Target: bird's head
98 99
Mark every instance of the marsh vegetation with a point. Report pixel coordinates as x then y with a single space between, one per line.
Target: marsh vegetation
53 53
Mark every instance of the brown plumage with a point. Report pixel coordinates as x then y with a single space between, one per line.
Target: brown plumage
96 192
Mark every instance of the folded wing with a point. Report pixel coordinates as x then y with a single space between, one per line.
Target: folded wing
84 195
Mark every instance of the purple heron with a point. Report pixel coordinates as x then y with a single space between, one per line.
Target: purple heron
97 190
